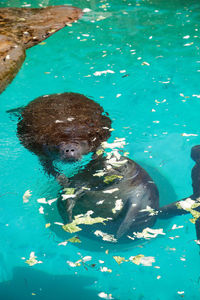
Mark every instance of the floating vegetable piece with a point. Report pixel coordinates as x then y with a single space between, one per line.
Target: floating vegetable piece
105 236
119 259
74 239
73 265
99 73
176 227
71 228
99 152
190 205
141 259
145 63
152 212
118 205
117 163
69 191
105 269
136 259
42 200
111 178
86 258
99 173
47 225
186 204
110 191
147 261
27 196
51 201
105 296
63 243
41 210
32 260
119 143
82 219
149 233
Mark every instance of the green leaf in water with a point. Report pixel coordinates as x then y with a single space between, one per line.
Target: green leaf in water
111 178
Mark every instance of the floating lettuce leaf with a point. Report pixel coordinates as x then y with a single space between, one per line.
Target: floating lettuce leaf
118 206
105 296
195 214
119 259
74 239
71 228
82 219
32 260
69 191
149 233
136 259
190 205
111 178
26 196
99 152
142 260
105 236
152 211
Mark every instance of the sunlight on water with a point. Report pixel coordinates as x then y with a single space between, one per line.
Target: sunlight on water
140 61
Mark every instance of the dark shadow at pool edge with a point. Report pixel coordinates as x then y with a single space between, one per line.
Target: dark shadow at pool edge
28 280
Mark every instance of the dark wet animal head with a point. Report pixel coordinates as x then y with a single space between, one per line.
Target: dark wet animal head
69 125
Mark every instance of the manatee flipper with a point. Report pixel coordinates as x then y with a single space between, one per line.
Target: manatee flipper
15 112
171 210
134 210
12 55
128 220
22 28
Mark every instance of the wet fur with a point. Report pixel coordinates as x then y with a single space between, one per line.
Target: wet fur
49 121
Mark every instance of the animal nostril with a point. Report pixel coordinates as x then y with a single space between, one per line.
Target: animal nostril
67 150
72 150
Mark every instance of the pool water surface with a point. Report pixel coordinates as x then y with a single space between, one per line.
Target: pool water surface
140 60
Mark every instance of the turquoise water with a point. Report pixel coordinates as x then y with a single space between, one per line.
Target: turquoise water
155 107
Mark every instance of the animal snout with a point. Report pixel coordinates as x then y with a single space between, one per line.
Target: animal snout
69 150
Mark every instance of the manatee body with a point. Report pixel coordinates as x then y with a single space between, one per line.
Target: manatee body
119 191
22 28
62 127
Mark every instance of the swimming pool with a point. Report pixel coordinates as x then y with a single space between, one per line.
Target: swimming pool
140 60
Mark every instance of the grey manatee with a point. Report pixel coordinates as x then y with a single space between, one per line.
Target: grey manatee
124 193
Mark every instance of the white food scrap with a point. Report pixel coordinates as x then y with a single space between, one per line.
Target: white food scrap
32 260
27 196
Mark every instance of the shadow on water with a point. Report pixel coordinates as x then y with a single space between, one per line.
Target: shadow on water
167 193
28 283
